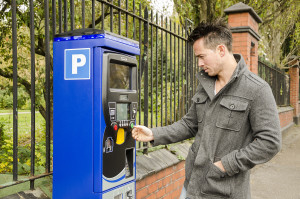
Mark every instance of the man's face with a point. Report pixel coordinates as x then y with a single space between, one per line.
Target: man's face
208 59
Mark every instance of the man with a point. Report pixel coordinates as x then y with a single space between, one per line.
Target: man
233 118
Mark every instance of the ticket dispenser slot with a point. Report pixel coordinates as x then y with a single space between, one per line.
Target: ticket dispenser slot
129 162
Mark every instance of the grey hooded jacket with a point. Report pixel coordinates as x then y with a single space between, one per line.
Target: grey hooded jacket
239 126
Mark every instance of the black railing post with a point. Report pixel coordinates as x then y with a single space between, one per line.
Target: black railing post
60 16
161 73
47 89
166 76
102 15
186 68
111 18
151 69
182 74
133 21
140 66
72 10
83 13
145 68
171 76
126 18
15 90
93 14
65 16
156 55
53 18
140 69
32 48
174 69
119 20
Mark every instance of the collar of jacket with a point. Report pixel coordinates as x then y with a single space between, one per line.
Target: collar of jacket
208 82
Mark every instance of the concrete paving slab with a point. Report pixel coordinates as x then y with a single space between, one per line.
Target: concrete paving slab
30 194
280 177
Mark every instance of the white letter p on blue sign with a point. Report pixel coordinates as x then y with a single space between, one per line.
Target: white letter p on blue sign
78 60
77 64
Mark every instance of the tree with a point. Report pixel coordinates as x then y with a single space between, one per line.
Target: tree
280 29
23 40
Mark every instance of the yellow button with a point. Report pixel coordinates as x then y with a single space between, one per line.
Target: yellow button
120 136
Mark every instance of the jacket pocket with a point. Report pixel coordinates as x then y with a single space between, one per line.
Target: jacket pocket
232 113
200 102
189 164
216 183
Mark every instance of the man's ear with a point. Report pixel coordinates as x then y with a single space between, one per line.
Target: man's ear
221 49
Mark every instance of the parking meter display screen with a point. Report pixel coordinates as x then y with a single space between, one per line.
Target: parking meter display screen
123 111
119 76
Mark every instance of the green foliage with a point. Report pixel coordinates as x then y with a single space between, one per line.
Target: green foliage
6 100
279 30
24 144
1 133
6 155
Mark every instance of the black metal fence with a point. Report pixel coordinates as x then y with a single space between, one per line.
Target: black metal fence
15 16
277 79
166 68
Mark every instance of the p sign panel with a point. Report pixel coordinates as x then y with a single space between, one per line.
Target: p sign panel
77 64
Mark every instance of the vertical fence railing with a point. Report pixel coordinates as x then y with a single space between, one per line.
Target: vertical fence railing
144 68
15 90
32 61
48 84
165 72
278 80
30 85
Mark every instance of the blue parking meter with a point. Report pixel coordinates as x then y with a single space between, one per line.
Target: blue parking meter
94 110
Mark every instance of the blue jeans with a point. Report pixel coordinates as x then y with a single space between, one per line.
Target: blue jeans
183 194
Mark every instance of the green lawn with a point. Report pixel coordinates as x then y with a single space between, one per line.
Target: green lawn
10 111
24 124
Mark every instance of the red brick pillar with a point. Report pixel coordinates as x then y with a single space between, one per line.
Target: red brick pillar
294 91
243 21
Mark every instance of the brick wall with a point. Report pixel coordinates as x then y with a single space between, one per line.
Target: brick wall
294 89
286 117
242 19
167 183
242 45
242 40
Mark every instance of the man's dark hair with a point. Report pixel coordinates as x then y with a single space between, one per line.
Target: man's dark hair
214 34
